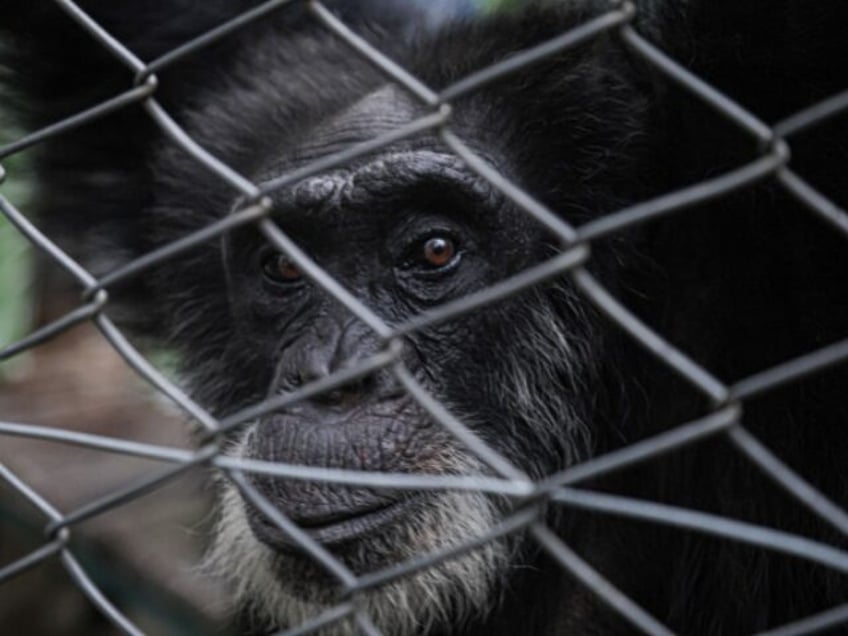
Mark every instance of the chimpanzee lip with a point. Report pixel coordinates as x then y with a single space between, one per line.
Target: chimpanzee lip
333 528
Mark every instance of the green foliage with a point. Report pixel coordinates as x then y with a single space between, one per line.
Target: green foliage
16 299
491 6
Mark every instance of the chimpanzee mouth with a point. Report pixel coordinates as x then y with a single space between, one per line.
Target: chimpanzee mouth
332 527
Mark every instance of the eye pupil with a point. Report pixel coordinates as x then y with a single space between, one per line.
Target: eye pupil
279 268
439 251
288 270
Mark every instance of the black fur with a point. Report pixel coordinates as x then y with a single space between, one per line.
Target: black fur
740 284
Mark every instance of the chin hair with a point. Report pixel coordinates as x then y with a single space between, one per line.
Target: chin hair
275 590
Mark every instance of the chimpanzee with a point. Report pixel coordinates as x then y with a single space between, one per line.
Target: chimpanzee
739 282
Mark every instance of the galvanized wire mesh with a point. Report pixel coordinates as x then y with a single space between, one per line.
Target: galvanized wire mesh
726 418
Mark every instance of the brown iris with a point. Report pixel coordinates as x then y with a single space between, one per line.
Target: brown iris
439 251
279 268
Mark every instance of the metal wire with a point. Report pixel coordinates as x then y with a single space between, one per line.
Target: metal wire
724 419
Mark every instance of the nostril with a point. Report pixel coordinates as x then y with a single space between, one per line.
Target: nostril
349 393
308 376
331 398
292 382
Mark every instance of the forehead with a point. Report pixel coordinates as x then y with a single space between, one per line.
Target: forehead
409 176
383 110
382 174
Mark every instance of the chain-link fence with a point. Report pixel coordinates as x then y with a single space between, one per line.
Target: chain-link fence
728 400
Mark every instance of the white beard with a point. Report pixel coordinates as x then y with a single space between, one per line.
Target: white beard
441 595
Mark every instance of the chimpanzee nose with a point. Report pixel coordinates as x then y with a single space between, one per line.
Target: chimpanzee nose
334 343
347 394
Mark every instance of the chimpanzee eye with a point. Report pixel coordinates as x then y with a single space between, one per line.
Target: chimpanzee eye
435 253
439 251
280 269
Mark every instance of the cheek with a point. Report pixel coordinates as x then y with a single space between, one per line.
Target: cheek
473 273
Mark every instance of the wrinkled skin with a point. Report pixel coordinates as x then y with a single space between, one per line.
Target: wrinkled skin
739 284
